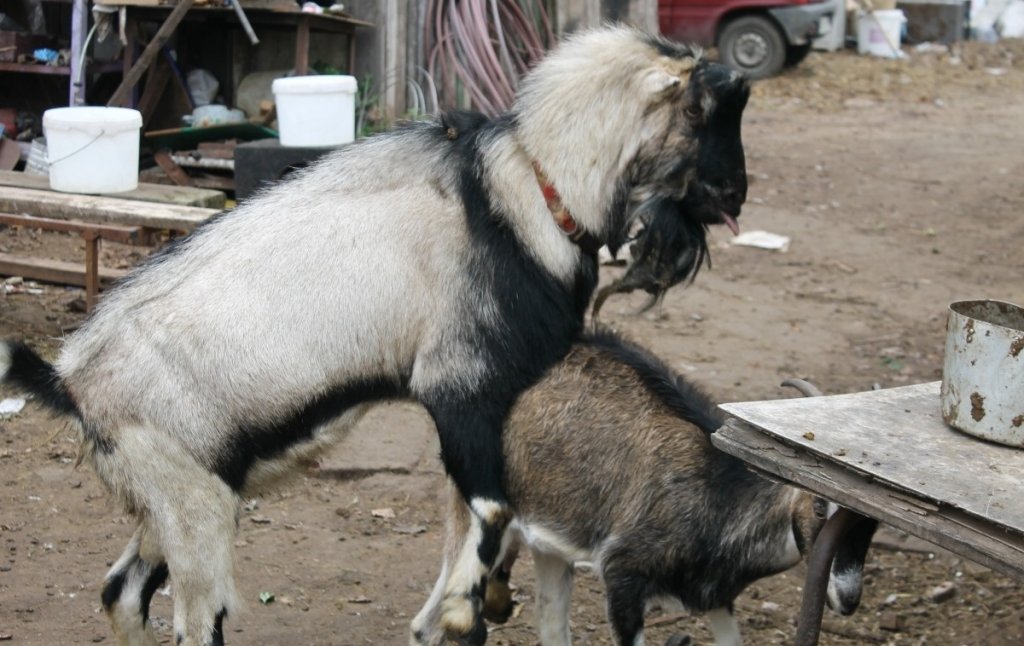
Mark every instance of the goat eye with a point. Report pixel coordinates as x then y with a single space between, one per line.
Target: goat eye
820 509
694 113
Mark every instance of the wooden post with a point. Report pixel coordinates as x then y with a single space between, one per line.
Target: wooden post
302 46
175 172
150 53
92 267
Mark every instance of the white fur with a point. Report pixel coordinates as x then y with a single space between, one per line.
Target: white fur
586 177
543 540
427 621
487 510
457 614
724 627
554 592
790 552
841 581
126 613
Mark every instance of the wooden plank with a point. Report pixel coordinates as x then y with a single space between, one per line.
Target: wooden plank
218 182
178 176
128 3
150 53
146 192
948 527
103 210
126 235
53 271
302 45
217 149
35 68
92 269
898 436
156 83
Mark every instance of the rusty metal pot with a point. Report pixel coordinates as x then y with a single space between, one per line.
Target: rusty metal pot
983 375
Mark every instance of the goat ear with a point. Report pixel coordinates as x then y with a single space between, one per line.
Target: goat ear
659 80
668 75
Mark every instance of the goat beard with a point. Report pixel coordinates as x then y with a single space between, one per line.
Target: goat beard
670 248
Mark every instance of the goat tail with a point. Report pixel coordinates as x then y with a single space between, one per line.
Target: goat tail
806 388
21 367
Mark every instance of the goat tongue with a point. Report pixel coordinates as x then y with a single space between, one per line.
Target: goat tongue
731 223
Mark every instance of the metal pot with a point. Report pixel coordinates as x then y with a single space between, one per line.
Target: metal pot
983 375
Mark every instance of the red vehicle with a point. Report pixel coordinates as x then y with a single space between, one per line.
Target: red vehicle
757 37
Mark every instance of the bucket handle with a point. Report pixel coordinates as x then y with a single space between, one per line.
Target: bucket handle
75 152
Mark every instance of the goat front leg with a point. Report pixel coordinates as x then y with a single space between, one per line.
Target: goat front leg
554 592
470 434
425 628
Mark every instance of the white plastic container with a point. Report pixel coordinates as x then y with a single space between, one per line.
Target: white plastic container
879 33
983 373
316 110
93 150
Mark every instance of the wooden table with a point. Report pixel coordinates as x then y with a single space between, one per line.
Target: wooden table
886 455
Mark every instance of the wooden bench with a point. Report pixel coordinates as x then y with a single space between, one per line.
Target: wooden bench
98 209
54 271
146 192
94 217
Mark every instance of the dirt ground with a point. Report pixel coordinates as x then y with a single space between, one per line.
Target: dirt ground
901 185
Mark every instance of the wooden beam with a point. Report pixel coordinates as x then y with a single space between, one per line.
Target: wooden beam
156 83
218 182
102 210
218 149
150 53
302 45
146 192
173 170
92 268
53 271
125 235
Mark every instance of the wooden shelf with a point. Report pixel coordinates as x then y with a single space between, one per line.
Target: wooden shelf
31 68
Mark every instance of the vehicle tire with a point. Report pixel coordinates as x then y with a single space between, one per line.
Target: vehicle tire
795 54
753 45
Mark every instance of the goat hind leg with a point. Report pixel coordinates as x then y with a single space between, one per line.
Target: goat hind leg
201 562
625 605
192 514
128 589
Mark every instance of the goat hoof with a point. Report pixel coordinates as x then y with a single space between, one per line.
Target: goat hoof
679 639
462 621
476 637
498 603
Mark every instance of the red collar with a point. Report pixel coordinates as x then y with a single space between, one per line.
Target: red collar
563 218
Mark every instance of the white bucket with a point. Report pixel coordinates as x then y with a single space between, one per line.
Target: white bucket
93 150
879 32
316 110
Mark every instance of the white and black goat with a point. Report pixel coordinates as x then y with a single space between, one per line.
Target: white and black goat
608 461
450 261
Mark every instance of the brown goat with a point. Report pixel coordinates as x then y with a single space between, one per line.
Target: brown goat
609 462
